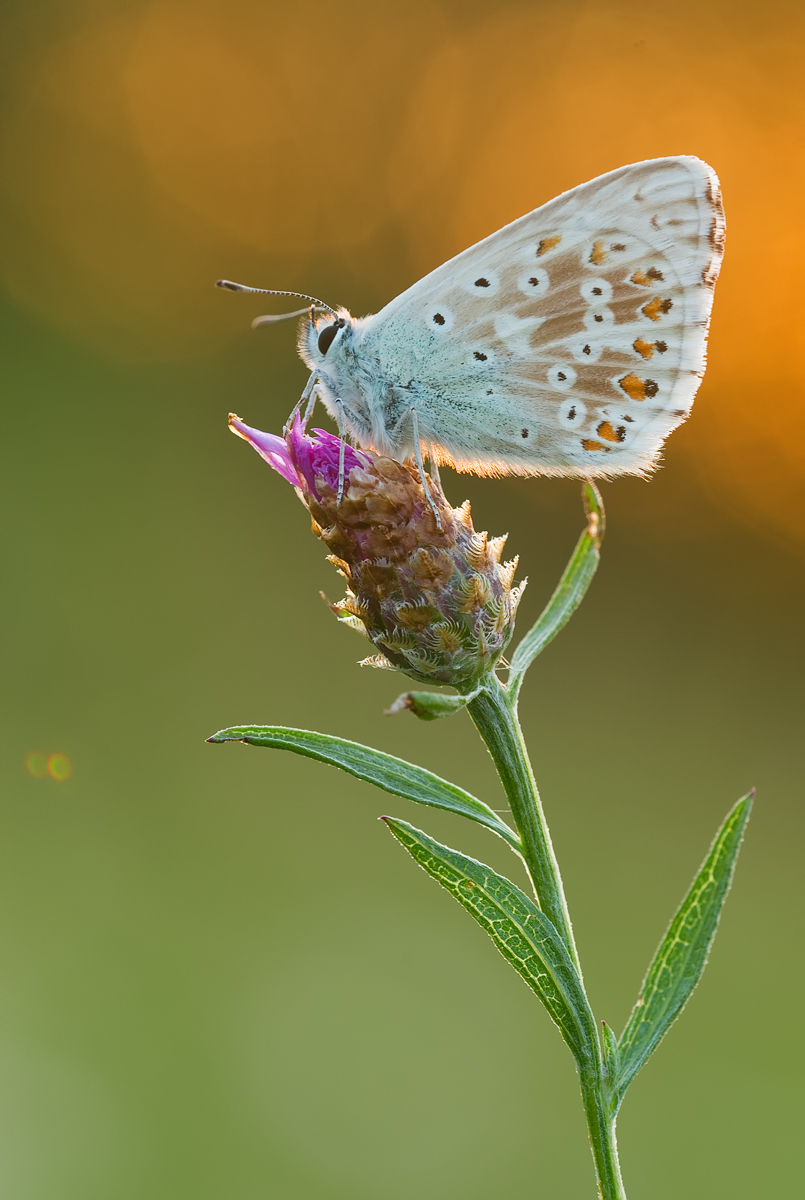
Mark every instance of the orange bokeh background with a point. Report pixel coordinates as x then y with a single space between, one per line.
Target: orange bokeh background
150 148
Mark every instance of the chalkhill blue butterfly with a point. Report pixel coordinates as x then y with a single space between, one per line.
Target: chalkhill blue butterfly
571 342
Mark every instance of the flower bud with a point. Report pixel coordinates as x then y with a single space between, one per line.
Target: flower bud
432 596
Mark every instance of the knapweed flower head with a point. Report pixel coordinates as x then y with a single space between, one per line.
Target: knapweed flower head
432 596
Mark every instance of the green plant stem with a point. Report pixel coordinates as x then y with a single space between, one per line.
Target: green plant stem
496 720
494 712
601 1126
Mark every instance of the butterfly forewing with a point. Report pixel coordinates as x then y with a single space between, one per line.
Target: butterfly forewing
572 341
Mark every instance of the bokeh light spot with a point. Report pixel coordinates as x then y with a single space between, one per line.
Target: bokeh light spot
60 766
37 764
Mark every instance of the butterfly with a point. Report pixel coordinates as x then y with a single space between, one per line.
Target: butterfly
569 343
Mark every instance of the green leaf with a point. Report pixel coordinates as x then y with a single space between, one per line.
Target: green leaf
391 774
683 952
611 1056
569 591
521 932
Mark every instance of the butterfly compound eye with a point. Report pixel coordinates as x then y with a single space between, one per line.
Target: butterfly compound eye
327 335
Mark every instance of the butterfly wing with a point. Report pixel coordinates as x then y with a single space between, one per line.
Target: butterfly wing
570 342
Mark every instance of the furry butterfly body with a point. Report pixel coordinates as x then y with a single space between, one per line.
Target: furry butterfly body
570 342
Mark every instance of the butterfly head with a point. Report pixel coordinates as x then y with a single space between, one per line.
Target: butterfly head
331 348
323 342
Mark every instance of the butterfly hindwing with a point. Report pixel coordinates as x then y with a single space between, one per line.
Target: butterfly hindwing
572 341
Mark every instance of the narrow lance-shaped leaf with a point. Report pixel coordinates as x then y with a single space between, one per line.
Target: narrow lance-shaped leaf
384 770
569 591
611 1055
683 952
521 932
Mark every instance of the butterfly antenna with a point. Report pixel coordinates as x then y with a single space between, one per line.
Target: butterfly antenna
229 286
273 318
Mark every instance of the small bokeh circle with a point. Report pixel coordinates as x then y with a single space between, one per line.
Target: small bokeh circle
37 764
57 766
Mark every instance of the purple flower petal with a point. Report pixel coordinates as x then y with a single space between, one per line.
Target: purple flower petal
326 454
301 449
298 458
301 459
270 447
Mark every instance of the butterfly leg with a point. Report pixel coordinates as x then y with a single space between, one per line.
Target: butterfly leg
342 432
305 397
311 404
434 470
422 476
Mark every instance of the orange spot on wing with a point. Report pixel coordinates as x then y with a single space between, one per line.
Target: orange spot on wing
657 306
644 348
645 278
598 254
635 388
589 444
606 431
548 243
639 389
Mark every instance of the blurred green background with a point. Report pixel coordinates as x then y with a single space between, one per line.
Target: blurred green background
221 977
